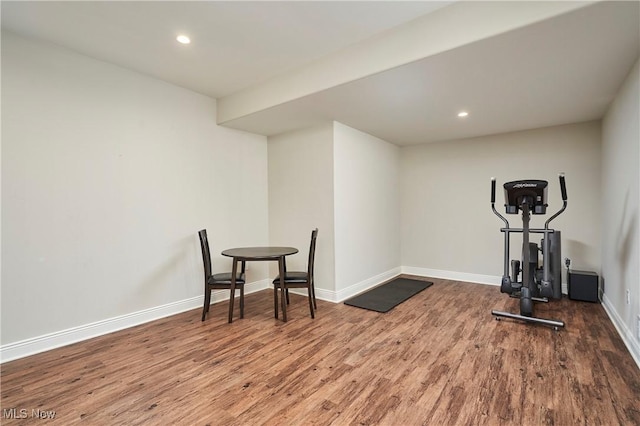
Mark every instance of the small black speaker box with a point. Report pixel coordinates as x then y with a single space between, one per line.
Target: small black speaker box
582 285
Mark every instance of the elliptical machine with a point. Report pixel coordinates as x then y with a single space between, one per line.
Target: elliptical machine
537 284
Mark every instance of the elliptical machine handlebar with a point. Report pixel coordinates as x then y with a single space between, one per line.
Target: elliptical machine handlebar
493 202
493 190
563 187
563 190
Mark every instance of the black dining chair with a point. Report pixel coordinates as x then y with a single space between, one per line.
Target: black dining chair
299 279
221 281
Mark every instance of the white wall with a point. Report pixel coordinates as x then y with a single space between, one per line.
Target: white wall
345 182
367 209
107 175
448 228
301 199
620 193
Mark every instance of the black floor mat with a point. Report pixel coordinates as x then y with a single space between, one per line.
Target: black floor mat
389 295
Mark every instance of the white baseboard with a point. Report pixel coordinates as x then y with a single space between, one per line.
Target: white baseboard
452 275
627 335
352 290
24 348
459 276
321 294
344 294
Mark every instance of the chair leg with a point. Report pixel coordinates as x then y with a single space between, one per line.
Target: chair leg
310 297
242 301
287 291
275 301
207 301
313 293
232 292
283 287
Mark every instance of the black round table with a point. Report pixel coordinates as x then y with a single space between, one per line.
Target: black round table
244 254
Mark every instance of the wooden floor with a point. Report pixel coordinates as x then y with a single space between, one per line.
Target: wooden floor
438 359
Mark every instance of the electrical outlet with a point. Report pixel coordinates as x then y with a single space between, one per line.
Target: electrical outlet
628 297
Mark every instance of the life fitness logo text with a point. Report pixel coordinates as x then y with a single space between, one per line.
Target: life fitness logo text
525 185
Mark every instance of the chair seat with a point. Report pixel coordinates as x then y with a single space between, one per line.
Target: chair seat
293 277
225 278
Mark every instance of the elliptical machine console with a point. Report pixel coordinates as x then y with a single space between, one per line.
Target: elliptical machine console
531 192
524 279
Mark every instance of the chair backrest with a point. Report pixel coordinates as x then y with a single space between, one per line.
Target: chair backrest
206 255
312 253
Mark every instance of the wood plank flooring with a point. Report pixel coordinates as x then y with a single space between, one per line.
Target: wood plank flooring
438 359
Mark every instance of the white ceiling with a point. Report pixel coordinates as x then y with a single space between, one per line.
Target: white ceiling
562 70
235 44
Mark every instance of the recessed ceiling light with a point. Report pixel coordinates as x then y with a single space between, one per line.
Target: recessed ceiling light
183 39
463 114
